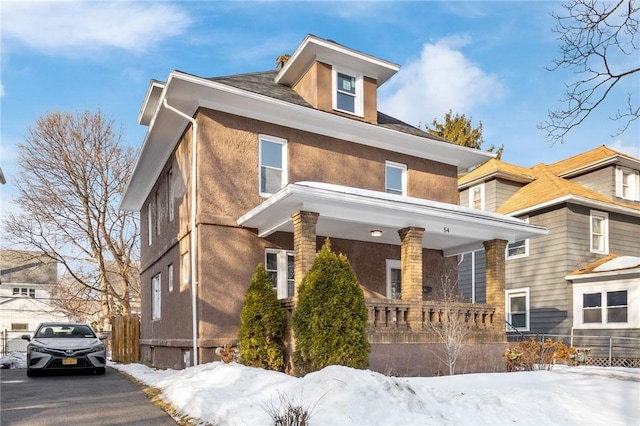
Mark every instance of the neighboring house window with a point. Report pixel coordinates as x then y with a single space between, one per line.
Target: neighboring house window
519 248
517 309
150 223
280 266
599 232
273 164
19 326
604 307
24 291
394 279
628 184
170 195
158 212
395 178
185 268
170 277
156 288
347 92
476 197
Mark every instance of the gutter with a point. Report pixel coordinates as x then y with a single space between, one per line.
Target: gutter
193 245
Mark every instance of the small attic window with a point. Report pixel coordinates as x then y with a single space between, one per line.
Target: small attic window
347 92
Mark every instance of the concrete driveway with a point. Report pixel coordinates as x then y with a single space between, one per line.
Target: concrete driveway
86 400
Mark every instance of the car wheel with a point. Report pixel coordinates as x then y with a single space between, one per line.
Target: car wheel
31 373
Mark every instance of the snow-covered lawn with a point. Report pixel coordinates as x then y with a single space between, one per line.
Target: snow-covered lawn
232 394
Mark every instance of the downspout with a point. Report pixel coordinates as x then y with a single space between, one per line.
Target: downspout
193 245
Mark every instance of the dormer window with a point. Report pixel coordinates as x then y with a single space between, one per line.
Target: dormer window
347 92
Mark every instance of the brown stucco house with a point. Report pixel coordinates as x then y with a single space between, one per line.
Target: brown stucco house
263 167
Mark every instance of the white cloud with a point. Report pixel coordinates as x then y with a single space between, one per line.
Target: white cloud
442 79
1 90
66 27
633 150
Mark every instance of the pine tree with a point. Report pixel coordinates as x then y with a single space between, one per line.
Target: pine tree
330 319
262 325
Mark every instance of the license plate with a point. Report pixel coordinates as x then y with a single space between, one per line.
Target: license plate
69 361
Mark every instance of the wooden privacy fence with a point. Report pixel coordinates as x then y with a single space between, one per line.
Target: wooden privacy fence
125 338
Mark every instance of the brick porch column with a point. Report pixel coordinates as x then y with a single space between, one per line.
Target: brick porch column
304 245
411 281
495 283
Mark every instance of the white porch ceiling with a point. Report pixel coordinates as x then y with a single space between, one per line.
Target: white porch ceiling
352 213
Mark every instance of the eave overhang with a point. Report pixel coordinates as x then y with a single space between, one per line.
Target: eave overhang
573 199
188 93
352 213
314 49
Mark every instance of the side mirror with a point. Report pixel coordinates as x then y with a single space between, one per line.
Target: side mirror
25 337
103 336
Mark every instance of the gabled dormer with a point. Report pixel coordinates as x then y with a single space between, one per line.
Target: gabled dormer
334 78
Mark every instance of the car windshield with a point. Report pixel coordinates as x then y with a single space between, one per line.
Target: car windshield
58 331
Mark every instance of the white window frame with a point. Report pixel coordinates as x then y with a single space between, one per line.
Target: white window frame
517 292
604 217
472 191
186 268
392 264
171 203
170 278
526 247
628 179
359 95
403 170
150 223
29 292
633 304
282 280
156 296
284 174
158 212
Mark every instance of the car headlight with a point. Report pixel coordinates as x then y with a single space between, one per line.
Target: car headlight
97 348
38 349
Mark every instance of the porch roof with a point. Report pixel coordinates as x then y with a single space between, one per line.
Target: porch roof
352 213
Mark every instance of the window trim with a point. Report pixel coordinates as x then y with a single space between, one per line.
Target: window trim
170 195
471 192
170 277
186 269
156 296
282 259
149 224
403 170
284 171
605 231
517 292
392 264
633 313
634 186
526 247
158 212
358 103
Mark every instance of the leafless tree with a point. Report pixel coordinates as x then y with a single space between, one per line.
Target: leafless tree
455 323
599 41
73 170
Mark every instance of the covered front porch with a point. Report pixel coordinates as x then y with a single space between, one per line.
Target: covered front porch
310 209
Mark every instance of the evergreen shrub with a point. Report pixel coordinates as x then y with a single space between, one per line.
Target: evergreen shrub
262 325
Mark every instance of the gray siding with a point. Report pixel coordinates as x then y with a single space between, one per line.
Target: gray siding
465 271
504 190
602 181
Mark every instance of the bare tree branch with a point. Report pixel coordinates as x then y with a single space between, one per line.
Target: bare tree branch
599 41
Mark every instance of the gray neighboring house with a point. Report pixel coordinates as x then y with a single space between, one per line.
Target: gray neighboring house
581 278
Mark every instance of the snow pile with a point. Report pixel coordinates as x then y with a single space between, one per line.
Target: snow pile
218 393
14 360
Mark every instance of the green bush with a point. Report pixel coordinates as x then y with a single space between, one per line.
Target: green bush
330 318
262 325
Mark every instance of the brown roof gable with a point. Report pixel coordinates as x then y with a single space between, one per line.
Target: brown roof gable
495 167
586 159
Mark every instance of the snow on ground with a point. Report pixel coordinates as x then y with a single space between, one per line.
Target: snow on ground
233 394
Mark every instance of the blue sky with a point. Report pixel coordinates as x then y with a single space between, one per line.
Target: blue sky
484 59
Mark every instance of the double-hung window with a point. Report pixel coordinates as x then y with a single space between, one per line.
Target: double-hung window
518 248
156 290
394 279
599 232
347 92
517 309
395 178
273 164
604 307
628 184
24 291
170 277
279 264
185 269
476 197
